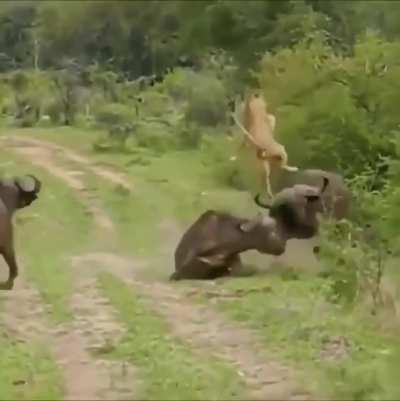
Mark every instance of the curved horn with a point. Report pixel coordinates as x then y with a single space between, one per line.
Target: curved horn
38 184
324 184
259 203
25 185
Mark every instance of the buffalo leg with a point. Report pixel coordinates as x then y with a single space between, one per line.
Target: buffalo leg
235 265
9 257
218 272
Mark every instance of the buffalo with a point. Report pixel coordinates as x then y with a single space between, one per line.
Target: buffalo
337 196
211 247
15 193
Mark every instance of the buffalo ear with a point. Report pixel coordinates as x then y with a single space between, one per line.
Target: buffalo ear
324 184
26 184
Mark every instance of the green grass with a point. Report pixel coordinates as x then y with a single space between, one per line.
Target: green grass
293 317
27 372
79 138
48 233
296 322
169 369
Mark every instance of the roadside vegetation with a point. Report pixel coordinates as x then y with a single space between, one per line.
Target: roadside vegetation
150 100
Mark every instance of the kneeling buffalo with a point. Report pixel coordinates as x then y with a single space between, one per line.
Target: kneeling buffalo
210 248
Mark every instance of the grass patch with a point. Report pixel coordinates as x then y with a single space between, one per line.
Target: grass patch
169 369
163 189
47 233
342 348
27 372
294 318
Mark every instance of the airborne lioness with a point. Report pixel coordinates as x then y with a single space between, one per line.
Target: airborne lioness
258 126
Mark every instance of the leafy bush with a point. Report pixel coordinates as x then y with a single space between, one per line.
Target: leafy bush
178 83
207 101
328 106
155 105
119 121
356 253
112 114
189 136
156 136
53 108
27 92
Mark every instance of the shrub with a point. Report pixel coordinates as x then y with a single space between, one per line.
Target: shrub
111 114
54 109
328 107
356 253
207 101
156 136
29 91
155 104
178 83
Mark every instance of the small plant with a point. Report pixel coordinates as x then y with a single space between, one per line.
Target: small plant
206 102
356 252
177 84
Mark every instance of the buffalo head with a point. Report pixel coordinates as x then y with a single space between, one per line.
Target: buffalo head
29 187
295 209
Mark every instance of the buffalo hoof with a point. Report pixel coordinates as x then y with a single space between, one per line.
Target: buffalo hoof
8 285
174 276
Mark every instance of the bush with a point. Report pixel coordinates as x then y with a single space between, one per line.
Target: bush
155 104
356 253
54 110
178 83
328 107
108 115
156 136
29 91
189 137
218 149
207 101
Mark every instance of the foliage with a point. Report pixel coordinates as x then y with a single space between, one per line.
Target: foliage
161 356
207 101
330 72
178 83
111 114
356 253
66 88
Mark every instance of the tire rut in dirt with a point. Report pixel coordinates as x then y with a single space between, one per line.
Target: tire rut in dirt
204 328
94 327
94 330
206 331
26 319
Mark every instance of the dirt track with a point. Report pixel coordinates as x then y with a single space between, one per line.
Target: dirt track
94 322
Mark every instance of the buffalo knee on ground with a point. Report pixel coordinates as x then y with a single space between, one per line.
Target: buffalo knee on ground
211 247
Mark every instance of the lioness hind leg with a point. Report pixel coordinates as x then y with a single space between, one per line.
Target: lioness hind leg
267 171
